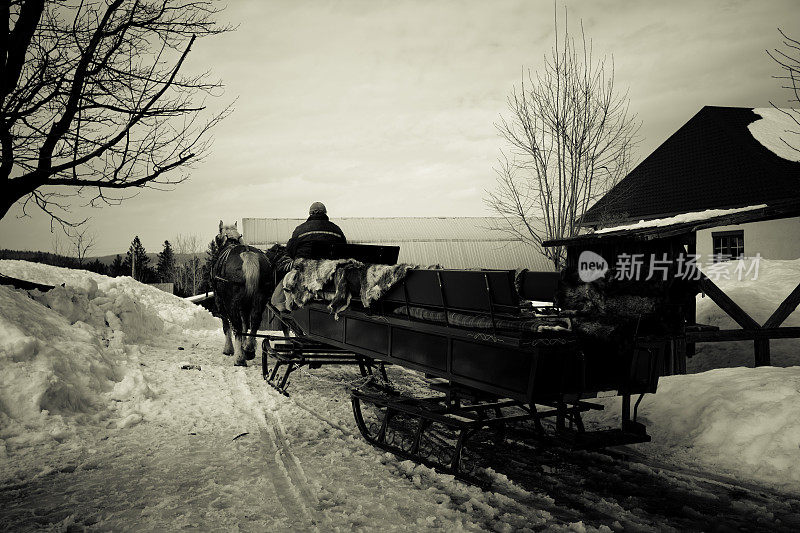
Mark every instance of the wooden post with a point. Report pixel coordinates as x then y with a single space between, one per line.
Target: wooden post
761 347
691 303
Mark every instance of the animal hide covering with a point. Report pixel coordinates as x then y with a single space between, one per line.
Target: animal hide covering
337 280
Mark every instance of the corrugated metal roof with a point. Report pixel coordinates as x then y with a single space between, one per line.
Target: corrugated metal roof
509 255
456 242
388 230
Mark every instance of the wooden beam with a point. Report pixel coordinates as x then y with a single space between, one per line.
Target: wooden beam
725 335
785 309
726 304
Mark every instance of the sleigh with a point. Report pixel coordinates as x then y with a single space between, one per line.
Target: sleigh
491 358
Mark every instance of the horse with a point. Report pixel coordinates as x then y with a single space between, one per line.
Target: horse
242 279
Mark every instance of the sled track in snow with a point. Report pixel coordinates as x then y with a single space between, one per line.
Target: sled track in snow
283 468
517 499
637 491
566 485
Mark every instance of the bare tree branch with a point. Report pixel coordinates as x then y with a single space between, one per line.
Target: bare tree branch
789 61
94 95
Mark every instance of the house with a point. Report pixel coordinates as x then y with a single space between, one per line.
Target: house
452 242
723 161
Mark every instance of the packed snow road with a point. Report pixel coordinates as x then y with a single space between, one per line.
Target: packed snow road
107 423
221 450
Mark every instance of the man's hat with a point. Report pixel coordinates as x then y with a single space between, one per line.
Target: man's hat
317 208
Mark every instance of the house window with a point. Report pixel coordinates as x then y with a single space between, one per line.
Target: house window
728 245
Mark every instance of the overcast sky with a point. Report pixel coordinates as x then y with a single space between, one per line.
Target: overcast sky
388 108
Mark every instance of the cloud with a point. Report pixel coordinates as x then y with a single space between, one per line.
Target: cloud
388 108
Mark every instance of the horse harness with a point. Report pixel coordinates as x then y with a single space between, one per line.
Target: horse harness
223 256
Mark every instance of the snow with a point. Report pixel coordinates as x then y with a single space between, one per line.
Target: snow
775 128
73 350
118 411
740 421
694 216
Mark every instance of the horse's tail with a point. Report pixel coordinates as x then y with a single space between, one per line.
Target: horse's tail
250 269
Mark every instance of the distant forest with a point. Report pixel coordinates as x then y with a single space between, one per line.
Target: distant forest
189 273
56 260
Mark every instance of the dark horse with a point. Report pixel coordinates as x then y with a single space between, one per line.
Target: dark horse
243 280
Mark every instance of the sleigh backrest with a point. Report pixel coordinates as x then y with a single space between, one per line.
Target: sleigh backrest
471 291
539 286
366 253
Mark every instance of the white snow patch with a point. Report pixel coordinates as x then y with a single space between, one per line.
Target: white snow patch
740 421
156 305
775 129
69 356
679 219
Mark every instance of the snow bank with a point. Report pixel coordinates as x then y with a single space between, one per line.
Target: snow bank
175 313
738 421
759 297
683 217
773 128
69 356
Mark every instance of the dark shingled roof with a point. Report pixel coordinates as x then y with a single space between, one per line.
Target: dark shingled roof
711 162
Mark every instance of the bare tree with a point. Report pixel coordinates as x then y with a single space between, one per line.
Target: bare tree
789 61
82 240
570 138
93 99
189 272
59 244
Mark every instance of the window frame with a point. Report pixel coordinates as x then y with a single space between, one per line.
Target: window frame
727 245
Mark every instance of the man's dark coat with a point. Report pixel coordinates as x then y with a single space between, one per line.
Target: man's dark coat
316 228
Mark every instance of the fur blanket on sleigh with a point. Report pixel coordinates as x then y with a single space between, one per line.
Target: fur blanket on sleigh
338 280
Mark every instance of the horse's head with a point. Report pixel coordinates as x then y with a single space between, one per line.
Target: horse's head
228 234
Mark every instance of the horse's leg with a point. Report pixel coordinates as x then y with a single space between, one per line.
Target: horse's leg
255 321
226 328
237 349
238 327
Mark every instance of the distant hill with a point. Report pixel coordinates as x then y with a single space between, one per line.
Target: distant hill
48 258
108 259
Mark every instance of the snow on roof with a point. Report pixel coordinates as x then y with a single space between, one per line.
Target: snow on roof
775 128
681 218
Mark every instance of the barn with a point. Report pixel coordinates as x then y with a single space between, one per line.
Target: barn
452 242
723 161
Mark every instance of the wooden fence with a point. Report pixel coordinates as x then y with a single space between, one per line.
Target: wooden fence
751 330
